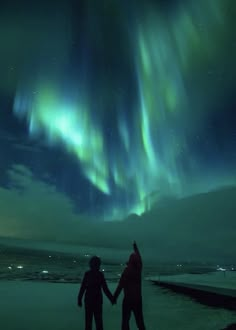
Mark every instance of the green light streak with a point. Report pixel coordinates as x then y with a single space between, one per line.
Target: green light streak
71 125
168 55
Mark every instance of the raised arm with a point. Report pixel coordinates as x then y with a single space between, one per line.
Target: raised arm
82 290
136 250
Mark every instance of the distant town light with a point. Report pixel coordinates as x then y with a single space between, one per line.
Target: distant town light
49 256
19 267
9 267
44 271
74 261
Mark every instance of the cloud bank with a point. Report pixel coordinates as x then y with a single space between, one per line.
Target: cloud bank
200 227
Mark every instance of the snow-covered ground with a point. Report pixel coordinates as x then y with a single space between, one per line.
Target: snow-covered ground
223 282
26 305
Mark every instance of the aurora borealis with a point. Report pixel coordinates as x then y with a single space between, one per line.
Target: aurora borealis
139 95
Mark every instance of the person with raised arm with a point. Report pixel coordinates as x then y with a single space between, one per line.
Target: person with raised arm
130 283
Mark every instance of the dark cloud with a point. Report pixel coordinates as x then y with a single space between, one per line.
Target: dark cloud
197 228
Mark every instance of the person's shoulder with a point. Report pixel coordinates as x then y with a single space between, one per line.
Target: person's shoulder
127 268
126 271
101 274
86 276
87 273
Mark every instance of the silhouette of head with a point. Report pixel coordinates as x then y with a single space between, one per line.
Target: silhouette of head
95 263
133 260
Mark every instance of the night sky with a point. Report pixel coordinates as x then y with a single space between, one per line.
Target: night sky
108 107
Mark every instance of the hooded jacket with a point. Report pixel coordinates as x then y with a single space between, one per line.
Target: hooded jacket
130 280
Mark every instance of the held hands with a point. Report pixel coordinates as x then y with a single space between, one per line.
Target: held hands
113 301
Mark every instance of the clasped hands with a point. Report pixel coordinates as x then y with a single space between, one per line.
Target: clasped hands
113 301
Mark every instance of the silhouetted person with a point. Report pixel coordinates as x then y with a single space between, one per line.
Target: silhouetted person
92 285
130 282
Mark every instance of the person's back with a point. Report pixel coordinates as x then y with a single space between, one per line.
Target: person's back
94 281
131 279
130 283
92 285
